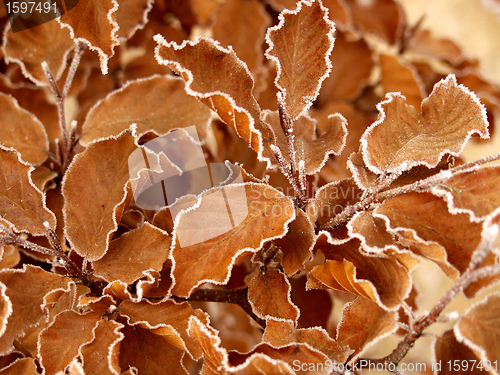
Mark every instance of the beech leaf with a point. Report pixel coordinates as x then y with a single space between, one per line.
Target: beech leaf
134 253
105 345
131 16
94 23
220 80
23 131
26 290
301 45
25 366
363 324
479 328
47 42
269 296
168 319
401 138
95 191
21 203
474 192
269 213
157 103
71 328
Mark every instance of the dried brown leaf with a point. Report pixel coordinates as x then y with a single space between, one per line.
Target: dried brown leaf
269 213
402 138
220 80
315 305
21 203
352 63
242 24
23 131
397 76
363 324
157 103
26 290
269 296
168 319
133 254
282 333
70 328
301 45
94 23
297 244
479 328
10 256
380 278
474 192
95 193
131 16
150 354
448 351
44 43
25 366
105 345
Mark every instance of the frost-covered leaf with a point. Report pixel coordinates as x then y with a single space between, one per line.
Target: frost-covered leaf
363 324
101 355
150 354
269 296
157 103
23 131
9 256
26 290
479 328
94 22
380 278
423 221
269 213
301 45
220 80
402 138
242 24
43 43
297 244
95 192
448 351
473 191
396 76
5 309
133 253
282 333
21 203
315 305
168 319
131 16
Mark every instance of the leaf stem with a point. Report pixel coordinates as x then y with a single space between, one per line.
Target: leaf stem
235 296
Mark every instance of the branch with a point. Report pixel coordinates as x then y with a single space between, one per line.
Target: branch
236 296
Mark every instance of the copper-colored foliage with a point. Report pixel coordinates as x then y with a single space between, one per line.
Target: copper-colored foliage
26 49
269 295
363 324
301 45
24 207
219 79
132 15
95 191
403 138
212 260
134 253
94 22
480 328
25 366
157 104
21 130
449 351
26 290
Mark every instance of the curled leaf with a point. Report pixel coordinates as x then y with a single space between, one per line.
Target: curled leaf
21 203
301 45
401 138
